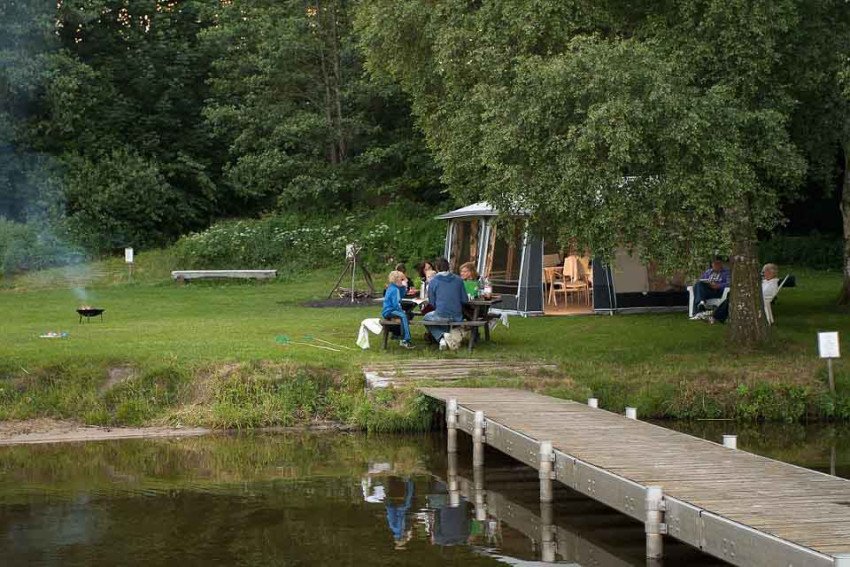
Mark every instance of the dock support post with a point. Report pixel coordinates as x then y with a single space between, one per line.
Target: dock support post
730 441
451 481
841 559
478 440
480 494
549 546
451 425
593 402
631 413
547 459
655 526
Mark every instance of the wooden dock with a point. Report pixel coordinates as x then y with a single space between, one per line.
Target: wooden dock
384 374
739 507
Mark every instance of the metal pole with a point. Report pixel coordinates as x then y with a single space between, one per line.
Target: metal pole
480 494
593 402
831 377
547 459
451 425
730 441
655 526
478 440
353 274
631 413
547 533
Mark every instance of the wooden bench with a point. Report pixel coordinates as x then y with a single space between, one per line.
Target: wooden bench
472 325
186 275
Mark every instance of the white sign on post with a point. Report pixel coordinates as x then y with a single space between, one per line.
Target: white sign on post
128 255
828 345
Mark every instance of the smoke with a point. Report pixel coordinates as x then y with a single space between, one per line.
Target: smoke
33 230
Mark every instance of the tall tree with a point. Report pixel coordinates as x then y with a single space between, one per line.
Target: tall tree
303 128
659 126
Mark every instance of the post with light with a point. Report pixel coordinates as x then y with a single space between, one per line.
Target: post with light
828 348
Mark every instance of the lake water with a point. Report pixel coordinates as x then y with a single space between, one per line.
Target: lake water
324 499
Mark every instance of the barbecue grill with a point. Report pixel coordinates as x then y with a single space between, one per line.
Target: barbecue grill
89 312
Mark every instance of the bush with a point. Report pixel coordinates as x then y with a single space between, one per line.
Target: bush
816 251
25 247
399 232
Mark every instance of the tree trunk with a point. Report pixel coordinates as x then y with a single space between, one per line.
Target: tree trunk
844 298
748 325
333 149
342 141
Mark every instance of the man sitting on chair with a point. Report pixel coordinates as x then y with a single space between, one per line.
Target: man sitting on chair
711 284
448 296
769 289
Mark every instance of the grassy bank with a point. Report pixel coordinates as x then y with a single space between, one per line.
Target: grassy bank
211 354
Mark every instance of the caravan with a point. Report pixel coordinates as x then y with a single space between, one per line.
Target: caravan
534 278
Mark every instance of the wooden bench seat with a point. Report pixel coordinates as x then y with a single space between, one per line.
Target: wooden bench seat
473 325
186 275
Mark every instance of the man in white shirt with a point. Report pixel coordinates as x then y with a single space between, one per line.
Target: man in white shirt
769 289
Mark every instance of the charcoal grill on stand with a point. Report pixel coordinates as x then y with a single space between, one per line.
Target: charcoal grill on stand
89 312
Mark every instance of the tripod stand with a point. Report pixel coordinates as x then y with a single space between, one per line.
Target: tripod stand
351 265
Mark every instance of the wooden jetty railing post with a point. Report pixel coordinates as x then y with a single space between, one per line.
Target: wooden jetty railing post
593 402
452 482
451 425
655 527
549 545
478 439
730 441
547 460
631 413
480 494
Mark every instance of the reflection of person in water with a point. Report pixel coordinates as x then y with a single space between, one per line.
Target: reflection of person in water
399 496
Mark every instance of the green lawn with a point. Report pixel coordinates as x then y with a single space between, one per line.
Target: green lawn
663 363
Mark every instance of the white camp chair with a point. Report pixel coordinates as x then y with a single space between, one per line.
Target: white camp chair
710 304
768 303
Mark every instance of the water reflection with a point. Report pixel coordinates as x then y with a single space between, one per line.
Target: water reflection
319 499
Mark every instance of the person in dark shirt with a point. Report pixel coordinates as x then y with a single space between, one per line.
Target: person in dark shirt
448 296
711 284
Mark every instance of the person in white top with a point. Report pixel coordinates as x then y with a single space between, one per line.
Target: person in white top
769 289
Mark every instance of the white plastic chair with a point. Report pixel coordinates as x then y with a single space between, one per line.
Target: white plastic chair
710 304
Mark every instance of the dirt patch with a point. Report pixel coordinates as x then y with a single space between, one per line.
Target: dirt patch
57 431
117 375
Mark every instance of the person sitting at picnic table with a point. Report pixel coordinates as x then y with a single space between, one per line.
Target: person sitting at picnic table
408 289
469 275
769 289
426 272
448 296
711 284
392 305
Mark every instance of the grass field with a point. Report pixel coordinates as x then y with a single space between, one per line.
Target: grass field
662 363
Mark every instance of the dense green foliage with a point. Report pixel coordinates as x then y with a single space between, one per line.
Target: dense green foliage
817 251
398 233
132 123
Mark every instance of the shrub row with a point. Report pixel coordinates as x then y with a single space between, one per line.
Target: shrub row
396 233
817 251
26 247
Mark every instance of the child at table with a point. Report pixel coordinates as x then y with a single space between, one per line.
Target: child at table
392 305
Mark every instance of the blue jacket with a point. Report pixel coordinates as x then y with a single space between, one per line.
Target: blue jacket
392 299
447 294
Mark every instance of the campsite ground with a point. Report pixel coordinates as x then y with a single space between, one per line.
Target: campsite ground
211 355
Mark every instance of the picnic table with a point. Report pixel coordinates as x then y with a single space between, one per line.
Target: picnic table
479 317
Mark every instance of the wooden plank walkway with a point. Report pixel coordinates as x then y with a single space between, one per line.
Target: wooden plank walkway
740 507
383 374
